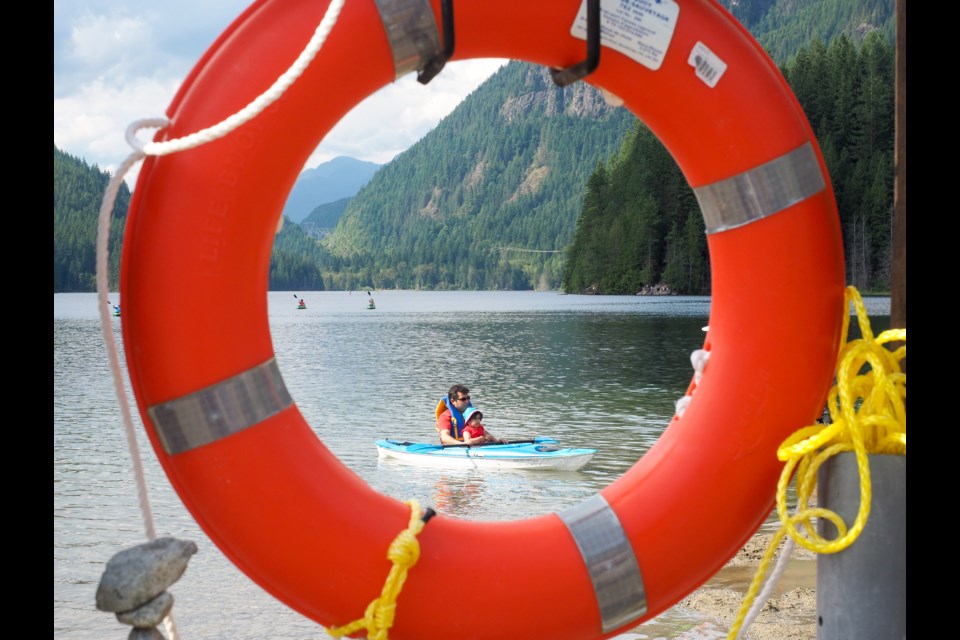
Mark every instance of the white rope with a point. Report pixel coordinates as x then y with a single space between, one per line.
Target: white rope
103 230
699 360
103 237
103 286
765 593
260 103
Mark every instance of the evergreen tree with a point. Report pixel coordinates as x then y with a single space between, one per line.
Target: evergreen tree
491 198
78 190
651 229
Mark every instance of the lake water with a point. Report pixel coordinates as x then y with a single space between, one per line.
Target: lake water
609 368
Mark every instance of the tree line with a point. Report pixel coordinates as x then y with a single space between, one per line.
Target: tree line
77 193
528 185
640 224
487 200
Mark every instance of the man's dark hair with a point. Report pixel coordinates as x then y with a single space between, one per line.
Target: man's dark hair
457 389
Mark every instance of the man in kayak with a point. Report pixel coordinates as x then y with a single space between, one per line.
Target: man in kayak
449 414
473 431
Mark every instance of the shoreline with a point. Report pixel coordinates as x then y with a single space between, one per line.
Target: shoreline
789 614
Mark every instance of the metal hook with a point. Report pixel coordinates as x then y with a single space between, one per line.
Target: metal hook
433 67
563 77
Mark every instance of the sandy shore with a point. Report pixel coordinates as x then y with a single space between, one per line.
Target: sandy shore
789 615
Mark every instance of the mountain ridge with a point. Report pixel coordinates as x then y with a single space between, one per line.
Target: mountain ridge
333 180
506 168
488 215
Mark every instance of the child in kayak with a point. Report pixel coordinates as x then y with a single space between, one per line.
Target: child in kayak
473 431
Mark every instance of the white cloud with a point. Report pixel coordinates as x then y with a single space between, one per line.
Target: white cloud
395 117
118 62
91 123
103 40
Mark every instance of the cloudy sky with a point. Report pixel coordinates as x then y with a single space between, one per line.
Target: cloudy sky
115 62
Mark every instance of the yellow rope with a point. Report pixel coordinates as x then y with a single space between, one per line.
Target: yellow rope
867 406
403 553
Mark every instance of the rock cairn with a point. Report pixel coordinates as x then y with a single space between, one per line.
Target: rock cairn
134 584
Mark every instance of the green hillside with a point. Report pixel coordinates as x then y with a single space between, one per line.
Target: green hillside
640 225
489 198
78 190
495 197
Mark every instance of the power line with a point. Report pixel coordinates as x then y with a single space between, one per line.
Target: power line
502 249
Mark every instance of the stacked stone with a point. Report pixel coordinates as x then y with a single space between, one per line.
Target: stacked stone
134 584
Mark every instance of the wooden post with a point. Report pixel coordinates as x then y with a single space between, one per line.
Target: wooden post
898 275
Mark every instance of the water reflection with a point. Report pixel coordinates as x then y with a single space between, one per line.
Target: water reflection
456 495
592 371
797 573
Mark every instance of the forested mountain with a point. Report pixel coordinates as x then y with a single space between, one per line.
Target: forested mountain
640 225
488 199
294 260
506 187
324 217
421 222
77 193
783 27
333 180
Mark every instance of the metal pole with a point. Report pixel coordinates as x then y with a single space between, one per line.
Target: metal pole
861 590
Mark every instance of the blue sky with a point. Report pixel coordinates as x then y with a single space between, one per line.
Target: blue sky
116 62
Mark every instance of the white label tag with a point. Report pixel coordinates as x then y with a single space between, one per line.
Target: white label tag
709 67
640 29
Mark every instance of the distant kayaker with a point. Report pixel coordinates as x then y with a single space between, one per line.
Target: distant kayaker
473 430
449 414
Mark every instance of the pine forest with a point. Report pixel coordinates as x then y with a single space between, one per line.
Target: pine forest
527 185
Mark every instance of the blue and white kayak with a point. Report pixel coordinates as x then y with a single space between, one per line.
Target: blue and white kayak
538 454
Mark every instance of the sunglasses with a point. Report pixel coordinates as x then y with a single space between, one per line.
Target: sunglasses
464 399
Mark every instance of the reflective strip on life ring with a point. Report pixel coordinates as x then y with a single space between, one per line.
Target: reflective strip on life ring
296 520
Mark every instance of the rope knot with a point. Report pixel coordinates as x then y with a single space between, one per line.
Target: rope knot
403 553
404 550
379 618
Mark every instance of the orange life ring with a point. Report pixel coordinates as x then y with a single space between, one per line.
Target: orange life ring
288 513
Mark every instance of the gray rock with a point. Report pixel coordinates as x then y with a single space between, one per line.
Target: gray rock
150 614
145 634
135 576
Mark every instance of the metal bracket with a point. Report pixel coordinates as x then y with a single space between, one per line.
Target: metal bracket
433 67
569 75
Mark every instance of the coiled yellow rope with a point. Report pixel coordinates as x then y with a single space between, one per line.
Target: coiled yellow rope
403 553
868 411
